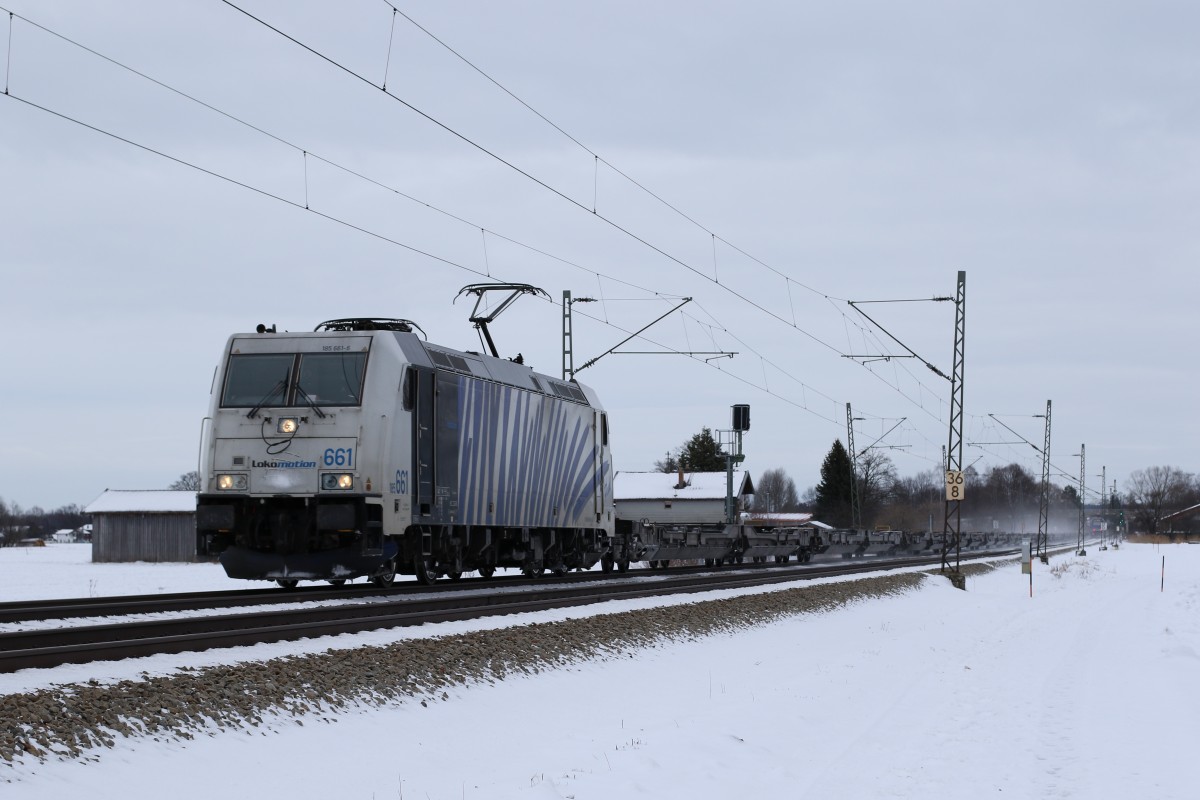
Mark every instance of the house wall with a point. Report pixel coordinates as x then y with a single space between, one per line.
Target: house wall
681 511
144 537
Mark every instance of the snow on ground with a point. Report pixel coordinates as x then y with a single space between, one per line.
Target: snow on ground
1085 690
66 570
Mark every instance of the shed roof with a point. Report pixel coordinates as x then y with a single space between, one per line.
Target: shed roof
778 518
154 501
661 485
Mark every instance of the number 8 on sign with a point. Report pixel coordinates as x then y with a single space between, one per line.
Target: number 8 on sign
954 485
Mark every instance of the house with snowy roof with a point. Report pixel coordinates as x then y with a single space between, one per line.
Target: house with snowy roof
678 497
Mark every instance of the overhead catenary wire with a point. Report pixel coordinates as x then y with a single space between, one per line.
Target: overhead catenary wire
306 153
507 163
355 227
596 156
538 181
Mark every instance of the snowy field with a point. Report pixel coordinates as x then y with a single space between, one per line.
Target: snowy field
1085 690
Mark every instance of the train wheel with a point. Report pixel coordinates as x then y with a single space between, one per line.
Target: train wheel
287 583
623 565
425 569
454 575
386 575
533 569
606 562
487 571
338 582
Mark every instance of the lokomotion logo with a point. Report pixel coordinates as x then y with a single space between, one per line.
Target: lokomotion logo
285 464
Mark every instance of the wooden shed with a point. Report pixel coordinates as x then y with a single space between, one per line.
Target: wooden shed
143 525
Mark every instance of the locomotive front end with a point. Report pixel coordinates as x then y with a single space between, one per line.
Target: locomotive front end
286 488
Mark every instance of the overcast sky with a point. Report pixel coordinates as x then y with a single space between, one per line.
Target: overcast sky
818 153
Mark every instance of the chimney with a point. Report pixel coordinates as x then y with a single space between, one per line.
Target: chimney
682 483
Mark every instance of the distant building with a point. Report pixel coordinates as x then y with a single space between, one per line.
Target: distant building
143 525
64 536
669 497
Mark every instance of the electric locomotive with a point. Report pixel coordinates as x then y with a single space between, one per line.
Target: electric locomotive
360 449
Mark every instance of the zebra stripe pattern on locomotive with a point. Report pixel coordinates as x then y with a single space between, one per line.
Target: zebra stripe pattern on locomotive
538 459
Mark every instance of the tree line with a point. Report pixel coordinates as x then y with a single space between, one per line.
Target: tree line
18 523
1005 497
1008 495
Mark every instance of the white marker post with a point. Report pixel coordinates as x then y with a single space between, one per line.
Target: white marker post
1027 563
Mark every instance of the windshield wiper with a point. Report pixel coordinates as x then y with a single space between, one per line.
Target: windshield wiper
311 403
281 385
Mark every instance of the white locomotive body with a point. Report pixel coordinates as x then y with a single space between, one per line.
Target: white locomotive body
360 449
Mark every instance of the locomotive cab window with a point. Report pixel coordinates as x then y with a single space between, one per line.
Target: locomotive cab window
254 379
330 379
288 379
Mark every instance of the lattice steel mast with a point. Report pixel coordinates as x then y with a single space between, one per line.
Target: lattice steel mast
1080 551
1043 546
855 502
953 518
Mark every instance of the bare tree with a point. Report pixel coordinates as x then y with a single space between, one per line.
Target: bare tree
916 501
188 482
775 492
1155 491
1012 492
876 477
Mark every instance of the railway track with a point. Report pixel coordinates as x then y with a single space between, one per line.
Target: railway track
86 643
128 605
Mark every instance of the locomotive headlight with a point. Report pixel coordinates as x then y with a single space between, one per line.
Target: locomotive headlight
288 425
337 481
232 483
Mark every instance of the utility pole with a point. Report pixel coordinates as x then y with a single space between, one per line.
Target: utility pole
568 365
1103 505
954 477
855 502
1043 548
568 362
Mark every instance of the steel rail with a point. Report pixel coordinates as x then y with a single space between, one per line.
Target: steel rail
125 605
53 647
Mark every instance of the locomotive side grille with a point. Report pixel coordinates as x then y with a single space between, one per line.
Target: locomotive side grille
448 360
568 392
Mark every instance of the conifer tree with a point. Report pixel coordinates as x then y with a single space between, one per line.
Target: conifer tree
833 492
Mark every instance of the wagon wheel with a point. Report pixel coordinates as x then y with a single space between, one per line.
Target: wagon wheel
533 569
287 583
606 562
425 569
337 582
487 570
454 575
386 575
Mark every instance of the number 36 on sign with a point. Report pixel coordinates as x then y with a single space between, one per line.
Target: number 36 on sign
954 485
